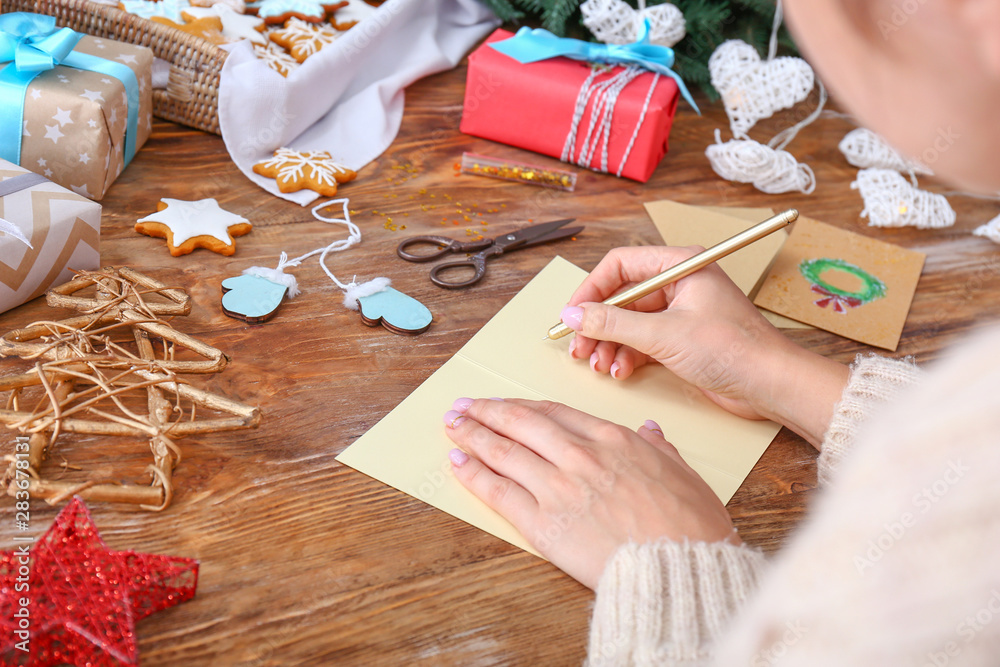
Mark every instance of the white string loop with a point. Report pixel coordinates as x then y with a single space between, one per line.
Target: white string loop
352 290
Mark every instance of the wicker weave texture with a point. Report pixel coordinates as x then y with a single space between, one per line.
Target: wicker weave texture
192 94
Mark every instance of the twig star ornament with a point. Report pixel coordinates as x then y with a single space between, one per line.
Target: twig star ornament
84 599
256 295
114 370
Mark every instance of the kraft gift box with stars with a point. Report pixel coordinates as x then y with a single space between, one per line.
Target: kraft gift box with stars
75 120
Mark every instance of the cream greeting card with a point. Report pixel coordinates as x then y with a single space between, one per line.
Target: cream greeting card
408 449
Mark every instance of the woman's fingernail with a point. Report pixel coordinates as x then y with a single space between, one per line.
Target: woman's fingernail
593 361
458 458
452 418
615 367
572 346
653 426
572 316
461 405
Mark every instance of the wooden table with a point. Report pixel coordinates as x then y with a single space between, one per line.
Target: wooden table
305 561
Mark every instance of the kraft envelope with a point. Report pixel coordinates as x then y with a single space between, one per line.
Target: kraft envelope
508 358
681 225
843 282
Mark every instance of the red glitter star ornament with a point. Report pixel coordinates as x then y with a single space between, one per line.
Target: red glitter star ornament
71 600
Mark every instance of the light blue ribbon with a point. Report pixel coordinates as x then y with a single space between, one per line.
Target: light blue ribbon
529 46
31 44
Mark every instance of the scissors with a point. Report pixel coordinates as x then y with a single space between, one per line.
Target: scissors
522 238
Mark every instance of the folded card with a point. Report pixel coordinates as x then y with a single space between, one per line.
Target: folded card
408 449
843 282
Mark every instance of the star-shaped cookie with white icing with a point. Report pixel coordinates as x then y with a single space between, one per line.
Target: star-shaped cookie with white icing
187 225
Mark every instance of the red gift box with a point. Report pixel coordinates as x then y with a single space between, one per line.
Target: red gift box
532 106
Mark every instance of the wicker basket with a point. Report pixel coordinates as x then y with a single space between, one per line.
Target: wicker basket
192 93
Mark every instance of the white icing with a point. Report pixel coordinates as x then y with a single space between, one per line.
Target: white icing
188 219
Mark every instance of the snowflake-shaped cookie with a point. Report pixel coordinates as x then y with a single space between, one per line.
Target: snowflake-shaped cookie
169 9
311 170
303 39
276 58
279 11
187 225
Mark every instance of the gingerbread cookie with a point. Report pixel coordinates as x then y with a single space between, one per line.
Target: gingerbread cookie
187 225
311 170
239 6
276 58
279 11
170 9
235 26
303 39
349 16
208 28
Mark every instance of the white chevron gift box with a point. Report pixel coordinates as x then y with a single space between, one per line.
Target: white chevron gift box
46 233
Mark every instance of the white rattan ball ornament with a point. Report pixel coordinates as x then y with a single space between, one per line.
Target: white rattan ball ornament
615 22
770 170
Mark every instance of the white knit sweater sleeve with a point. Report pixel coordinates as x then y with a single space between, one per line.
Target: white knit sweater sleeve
874 381
667 603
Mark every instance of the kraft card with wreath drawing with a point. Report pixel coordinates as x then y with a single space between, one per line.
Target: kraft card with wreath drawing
843 282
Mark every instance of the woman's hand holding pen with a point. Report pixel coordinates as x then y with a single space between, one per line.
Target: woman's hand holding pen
709 334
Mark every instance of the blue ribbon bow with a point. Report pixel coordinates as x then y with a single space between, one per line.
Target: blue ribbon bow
529 46
31 44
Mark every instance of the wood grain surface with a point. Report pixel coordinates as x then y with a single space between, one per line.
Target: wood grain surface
306 562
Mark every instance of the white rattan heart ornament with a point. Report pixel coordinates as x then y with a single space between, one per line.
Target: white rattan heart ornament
753 89
615 22
867 150
892 202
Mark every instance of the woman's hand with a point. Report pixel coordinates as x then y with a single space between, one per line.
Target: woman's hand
578 487
708 333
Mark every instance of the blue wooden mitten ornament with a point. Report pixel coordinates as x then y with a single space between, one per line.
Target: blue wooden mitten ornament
380 304
251 298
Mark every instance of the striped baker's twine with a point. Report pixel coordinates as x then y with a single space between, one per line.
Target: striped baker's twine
605 97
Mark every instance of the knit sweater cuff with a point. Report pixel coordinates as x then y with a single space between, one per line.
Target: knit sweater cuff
874 381
667 603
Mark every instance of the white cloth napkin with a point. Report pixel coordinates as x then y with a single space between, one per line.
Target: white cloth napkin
348 98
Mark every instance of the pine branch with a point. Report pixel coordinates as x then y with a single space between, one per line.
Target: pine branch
504 10
555 17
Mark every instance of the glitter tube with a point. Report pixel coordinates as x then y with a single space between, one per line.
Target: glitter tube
518 172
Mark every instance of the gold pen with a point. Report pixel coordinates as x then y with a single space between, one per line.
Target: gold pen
689 266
